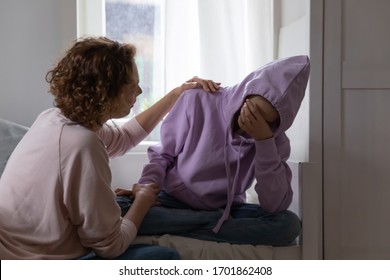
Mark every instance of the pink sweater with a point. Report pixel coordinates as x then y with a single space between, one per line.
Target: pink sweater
56 200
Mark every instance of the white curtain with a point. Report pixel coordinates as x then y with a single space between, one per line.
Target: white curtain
222 40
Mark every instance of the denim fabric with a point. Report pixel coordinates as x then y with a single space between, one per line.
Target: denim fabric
141 252
248 223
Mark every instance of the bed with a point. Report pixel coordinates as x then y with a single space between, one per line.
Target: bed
190 249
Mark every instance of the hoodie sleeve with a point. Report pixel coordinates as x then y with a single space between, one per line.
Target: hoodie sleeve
174 131
273 175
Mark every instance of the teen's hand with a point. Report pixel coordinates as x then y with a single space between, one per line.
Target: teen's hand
252 122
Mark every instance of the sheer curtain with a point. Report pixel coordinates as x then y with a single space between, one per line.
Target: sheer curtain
221 40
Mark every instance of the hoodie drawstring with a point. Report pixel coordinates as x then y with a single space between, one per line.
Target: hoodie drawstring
231 189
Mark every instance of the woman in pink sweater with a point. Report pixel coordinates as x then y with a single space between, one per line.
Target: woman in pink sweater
56 200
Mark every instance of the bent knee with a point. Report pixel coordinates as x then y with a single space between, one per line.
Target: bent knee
290 227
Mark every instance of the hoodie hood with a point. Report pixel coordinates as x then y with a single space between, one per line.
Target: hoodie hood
282 82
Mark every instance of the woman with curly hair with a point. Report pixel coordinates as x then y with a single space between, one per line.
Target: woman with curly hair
56 200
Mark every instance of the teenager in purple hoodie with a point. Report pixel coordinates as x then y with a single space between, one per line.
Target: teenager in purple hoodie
213 146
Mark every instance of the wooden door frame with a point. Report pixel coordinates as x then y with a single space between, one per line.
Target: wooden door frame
311 172
332 125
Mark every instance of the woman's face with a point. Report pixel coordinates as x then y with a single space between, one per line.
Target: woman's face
128 95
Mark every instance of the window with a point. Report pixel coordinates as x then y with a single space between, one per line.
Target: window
221 40
139 22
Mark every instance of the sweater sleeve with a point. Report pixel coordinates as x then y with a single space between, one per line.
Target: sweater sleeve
273 175
88 197
120 139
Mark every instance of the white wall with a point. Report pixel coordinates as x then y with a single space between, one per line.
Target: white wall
33 35
293 20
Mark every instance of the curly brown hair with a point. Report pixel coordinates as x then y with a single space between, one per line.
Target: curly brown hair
87 81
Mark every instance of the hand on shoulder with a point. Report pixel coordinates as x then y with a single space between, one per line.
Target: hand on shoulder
196 82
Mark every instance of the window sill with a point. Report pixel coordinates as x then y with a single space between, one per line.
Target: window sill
142 147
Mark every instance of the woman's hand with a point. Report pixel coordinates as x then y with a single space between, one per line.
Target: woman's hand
149 118
207 85
146 193
123 192
145 196
137 187
154 188
196 82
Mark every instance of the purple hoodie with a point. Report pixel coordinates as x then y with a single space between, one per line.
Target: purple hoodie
202 163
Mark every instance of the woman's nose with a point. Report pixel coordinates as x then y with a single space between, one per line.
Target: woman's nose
139 90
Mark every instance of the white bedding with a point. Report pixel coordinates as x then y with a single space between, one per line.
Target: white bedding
193 249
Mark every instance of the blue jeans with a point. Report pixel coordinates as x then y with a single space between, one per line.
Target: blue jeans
249 223
141 252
